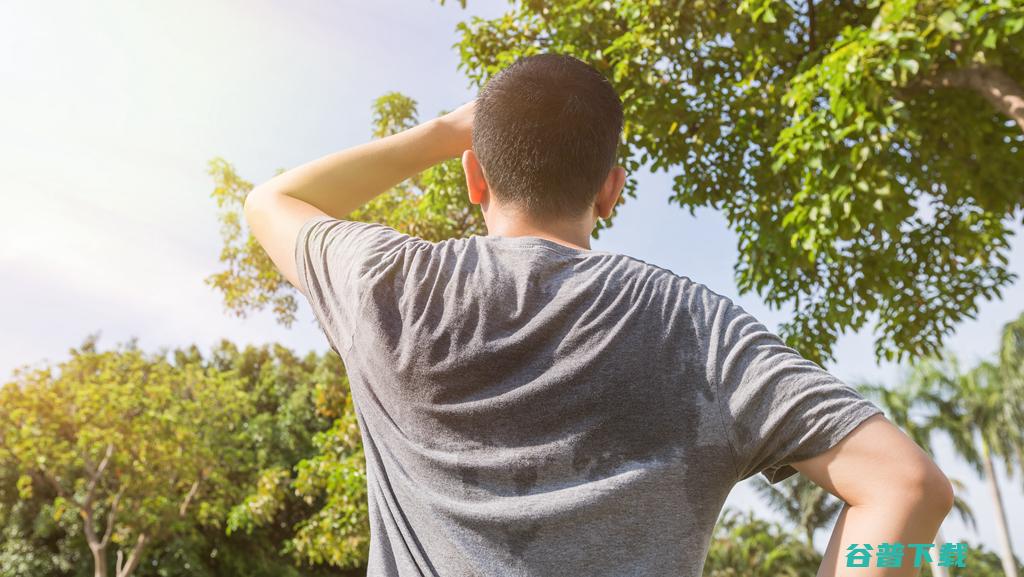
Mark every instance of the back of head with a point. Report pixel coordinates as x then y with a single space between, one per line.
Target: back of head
546 131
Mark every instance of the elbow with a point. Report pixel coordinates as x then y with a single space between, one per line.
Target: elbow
932 491
943 493
249 204
252 203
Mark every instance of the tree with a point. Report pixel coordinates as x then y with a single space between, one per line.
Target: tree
1011 373
137 447
1011 351
867 153
325 501
296 398
807 506
32 542
745 545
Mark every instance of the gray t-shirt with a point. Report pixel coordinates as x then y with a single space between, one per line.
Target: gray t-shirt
528 408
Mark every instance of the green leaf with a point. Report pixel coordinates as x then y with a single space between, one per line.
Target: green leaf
909 64
990 39
1014 25
947 23
24 486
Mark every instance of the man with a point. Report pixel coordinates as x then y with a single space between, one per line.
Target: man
530 406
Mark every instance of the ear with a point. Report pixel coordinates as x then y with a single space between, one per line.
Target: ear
476 183
608 196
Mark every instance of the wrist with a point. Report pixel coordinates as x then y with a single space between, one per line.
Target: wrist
451 137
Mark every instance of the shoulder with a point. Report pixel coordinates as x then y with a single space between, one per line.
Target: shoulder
697 294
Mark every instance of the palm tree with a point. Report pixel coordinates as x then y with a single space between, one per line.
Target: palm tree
979 411
804 504
1011 348
1011 369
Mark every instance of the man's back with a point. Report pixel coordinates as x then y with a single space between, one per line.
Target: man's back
528 408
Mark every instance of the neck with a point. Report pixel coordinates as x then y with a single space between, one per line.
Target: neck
568 233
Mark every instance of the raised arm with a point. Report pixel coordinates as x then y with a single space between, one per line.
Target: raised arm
337 184
893 491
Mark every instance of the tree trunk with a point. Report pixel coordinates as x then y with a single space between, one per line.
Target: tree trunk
1020 457
1001 90
99 557
1006 553
938 570
96 545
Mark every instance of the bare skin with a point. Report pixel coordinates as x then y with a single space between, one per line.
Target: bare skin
505 221
893 491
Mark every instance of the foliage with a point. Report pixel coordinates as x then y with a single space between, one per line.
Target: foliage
139 448
975 409
338 533
980 563
323 504
250 282
807 506
925 199
274 426
297 401
1010 365
32 541
745 545
433 205
836 139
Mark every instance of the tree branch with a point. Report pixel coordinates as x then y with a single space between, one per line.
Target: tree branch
90 528
111 518
91 488
810 25
188 498
126 567
995 85
86 508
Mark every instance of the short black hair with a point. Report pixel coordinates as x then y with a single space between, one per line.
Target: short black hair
546 131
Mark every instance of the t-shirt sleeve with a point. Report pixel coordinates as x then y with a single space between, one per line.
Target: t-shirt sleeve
333 259
777 406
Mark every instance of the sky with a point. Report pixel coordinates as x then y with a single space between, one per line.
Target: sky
111 112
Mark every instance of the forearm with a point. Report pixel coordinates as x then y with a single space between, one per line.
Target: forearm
343 181
902 521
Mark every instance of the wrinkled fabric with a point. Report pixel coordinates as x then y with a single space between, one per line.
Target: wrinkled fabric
529 408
